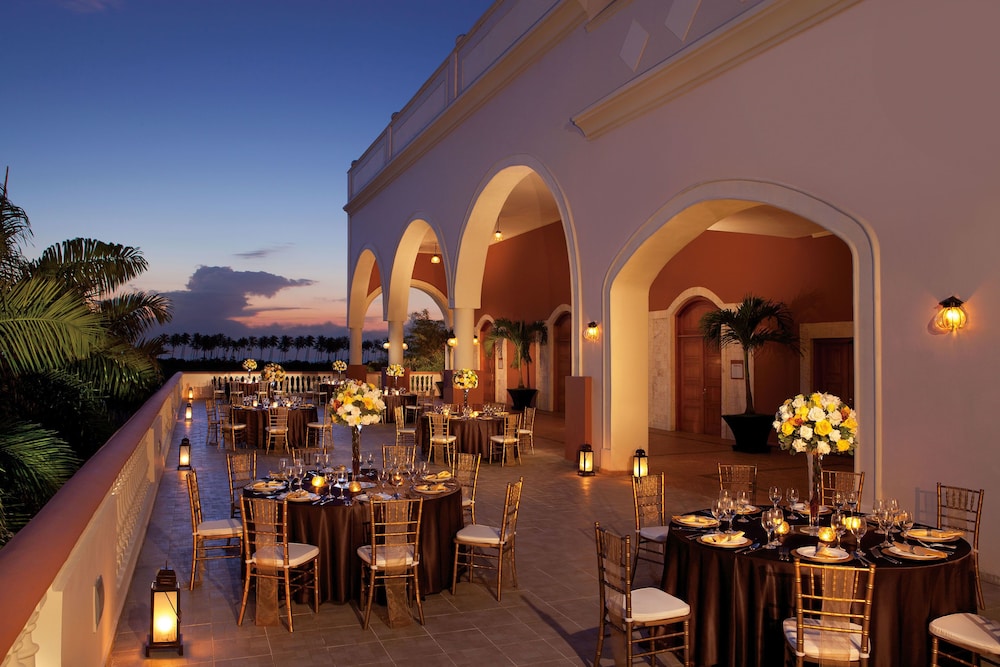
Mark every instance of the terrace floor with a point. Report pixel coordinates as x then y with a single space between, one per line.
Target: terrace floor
551 619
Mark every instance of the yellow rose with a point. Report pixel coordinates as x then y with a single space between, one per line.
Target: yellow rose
817 400
368 403
843 445
802 412
850 423
822 428
787 428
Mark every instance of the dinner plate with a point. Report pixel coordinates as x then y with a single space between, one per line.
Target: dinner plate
804 507
915 553
301 497
711 540
826 555
432 488
437 477
749 509
696 520
269 485
934 534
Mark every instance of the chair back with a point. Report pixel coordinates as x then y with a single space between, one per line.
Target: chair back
511 505
960 509
735 478
265 527
466 473
648 500
395 455
278 418
842 481
829 599
528 419
395 531
614 570
211 412
242 467
194 499
310 455
397 414
511 425
439 425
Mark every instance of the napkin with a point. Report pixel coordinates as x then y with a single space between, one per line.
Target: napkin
725 538
431 487
444 474
298 495
695 520
918 551
264 486
936 533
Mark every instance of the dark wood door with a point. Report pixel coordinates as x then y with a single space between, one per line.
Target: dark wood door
561 361
699 374
833 367
487 366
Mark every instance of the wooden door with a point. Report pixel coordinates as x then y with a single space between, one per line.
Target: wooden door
562 351
487 368
699 374
833 367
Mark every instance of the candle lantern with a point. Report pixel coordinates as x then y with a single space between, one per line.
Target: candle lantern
640 463
188 412
165 613
585 461
184 455
827 535
783 528
190 394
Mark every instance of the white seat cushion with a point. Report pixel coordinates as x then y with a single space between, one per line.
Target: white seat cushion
476 533
220 528
650 605
501 440
813 637
407 430
655 533
322 425
396 556
973 631
439 440
523 431
235 427
297 555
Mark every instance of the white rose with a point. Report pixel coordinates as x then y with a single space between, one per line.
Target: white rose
799 445
776 424
805 432
816 414
799 401
823 448
834 417
834 435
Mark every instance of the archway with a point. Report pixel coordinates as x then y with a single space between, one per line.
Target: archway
626 413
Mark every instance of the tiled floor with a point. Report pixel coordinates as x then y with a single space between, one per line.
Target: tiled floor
551 619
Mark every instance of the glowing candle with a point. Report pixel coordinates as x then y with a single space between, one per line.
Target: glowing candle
827 534
783 528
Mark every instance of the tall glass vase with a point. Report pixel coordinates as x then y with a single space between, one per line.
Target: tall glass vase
356 450
815 462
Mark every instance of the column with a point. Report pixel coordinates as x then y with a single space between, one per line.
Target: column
395 342
355 350
465 351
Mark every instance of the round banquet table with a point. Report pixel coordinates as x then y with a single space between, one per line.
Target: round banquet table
338 530
392 401
257 418
739 600
472 433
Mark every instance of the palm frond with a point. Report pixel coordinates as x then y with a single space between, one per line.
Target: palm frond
94 267
131 314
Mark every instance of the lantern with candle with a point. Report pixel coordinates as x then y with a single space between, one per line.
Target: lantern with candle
165 613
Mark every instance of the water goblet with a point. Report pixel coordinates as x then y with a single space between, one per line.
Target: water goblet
878 507
838 525
859 526
774 493
791 497
718 510
839 500
765 523
852 501
729 510
885 520
282 466
742 503
342 480
904 519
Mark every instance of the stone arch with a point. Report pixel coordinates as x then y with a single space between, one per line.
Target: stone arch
395 307
358 296
625 413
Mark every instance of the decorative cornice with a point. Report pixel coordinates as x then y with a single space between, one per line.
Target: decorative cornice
722 49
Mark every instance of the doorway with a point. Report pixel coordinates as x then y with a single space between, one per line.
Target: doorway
833 367
561 361
699 374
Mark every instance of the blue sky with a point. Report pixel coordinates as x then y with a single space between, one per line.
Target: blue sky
215 135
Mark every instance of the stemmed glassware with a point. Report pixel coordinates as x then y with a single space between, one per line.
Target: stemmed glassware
886 517
839 500
838 525
770 519
342 480
718 510
859 526
742 503
774 493
904 519
852 501
791 497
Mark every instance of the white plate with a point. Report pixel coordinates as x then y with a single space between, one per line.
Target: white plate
804 507
267 486
427 488
828 555
918 553
731 544
695 520
928 534
307 498
433 477
749 509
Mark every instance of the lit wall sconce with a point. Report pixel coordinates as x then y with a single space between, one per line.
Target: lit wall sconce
640 463
405 347
435 258
475 340
452 342
165 613
385 345
585 461
184 455
190 393
952 315
188 410
592 332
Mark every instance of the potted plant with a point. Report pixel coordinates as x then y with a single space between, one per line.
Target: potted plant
521 335
754 323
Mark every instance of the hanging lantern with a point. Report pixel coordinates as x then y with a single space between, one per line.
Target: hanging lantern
165 613
640 463
184 455
585 462
951 316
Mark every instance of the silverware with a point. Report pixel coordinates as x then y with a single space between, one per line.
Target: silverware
859 557
783 553
942 547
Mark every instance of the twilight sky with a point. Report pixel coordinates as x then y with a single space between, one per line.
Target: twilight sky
215 135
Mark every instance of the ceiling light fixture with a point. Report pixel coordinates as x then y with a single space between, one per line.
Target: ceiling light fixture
498 234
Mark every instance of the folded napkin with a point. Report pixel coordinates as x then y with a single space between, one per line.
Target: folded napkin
830 553
272 484
725 538
923 552
935 533
431 487
444 474
695 520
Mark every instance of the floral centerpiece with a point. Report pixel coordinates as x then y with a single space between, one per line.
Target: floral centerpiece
395 371
339 366
250 365
273 373
818 424
357 404
465 379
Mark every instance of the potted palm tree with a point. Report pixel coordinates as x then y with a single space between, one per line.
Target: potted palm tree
521 335
754 323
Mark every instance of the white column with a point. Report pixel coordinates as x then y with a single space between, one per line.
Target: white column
355 349
395 342
465 351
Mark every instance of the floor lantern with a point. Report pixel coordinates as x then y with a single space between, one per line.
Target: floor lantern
585 461
184 455
640 463
165 613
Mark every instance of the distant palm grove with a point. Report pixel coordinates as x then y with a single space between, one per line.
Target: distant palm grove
221 347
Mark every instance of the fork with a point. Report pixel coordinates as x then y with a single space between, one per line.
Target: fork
783 554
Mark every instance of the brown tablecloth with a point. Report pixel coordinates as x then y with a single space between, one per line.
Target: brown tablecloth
473 435
338 530
738 601
392 401
257 418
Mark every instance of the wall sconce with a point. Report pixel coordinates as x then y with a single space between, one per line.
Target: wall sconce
184 455
585 461
385 345
952 315
592 332
640 463
497 234
188 412
475 340
165 613
190 394
435 258
452 342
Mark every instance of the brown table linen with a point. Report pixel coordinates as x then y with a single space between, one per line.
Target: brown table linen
473 434
257 418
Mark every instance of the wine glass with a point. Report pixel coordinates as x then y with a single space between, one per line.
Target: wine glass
859 526
878 507
342 480
282 467
885 520
839 500
792 498
774 493
904 519
765 522
838 525
742 503
718 510
852 501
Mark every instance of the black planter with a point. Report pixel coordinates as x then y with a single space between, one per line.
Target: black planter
751 432
522 398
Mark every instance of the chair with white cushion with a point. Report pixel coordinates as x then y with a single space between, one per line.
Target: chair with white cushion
393 551
442 443
970 632
526 432
242 468
277 429
476 542
466 473
506 441
832 621
205 534
962 509
405 435
628 612
651 526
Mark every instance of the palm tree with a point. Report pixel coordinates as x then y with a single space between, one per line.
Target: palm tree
754 323
521 335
